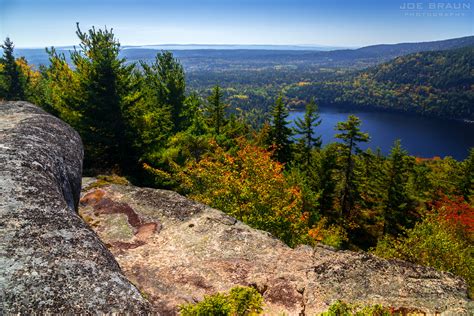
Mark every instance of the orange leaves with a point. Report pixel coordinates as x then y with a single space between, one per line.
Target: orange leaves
250 186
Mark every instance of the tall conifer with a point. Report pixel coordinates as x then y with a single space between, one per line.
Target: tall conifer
280 133
12 84
350 136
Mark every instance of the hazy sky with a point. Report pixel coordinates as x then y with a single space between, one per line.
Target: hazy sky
39 23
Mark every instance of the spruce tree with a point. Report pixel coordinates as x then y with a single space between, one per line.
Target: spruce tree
216 110
166 77
305 128
397 201
324 175
13 84
350 136
106 94
280 133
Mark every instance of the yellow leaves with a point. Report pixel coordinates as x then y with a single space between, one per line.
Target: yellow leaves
303 83
28 71
250 186
240 97
158 173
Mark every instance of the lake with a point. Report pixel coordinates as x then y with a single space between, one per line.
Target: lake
420 136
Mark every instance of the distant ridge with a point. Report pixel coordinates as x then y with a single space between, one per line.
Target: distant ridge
404 48
198 55
408 48
314 47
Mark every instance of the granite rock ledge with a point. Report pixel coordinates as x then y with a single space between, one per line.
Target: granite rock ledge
51 262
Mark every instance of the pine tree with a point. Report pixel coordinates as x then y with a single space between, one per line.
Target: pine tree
13 84
106 93
305 128
280 133
397 201
350 136
216 110
166 77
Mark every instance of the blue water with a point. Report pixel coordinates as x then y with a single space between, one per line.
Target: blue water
420 136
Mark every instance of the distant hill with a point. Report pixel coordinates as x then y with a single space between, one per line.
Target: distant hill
394 50
254 57
438 83
439 69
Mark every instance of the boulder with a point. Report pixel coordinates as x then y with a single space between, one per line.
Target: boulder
51 262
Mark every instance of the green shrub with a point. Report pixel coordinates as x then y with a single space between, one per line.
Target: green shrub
239 301
331 235
105 180
245 301
340 308
217 304
432 243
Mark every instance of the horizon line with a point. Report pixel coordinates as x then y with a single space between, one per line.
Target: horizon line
336 47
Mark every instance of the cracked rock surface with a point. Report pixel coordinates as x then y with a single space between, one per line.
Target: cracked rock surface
51 262
176 251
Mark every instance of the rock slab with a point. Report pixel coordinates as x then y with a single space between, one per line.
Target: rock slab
51 262
176 251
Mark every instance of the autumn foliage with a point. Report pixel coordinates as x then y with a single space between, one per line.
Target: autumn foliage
250 186
455 211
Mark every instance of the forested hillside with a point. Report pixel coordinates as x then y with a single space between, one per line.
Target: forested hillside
251 79
394 50
439 83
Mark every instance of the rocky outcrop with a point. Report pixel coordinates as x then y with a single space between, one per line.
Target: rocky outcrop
51 262
176 251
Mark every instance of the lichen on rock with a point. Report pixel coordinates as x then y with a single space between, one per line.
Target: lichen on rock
50 260
200 251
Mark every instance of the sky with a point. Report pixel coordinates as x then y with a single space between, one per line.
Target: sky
344 23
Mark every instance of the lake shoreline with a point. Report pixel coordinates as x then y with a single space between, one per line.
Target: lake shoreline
374 108
425 137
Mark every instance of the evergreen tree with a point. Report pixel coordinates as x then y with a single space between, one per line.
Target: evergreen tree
305 128
350 136
216 110
13 83
61 95
324 175
371 179
397 201
106 95
197 120
151 121
166 78
280 133
467 179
